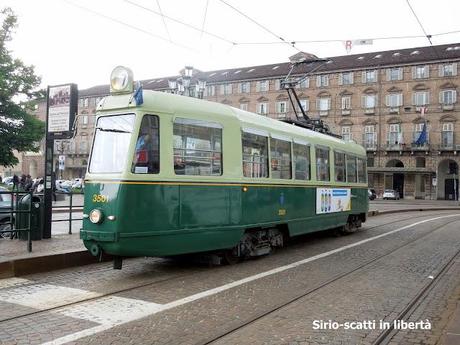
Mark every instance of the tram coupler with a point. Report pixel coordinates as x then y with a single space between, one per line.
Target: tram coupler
117 263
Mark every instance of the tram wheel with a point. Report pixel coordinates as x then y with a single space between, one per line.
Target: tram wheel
230 258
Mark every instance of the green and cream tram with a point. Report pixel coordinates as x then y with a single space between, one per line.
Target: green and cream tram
177 175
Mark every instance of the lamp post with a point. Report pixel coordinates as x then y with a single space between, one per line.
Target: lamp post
185 85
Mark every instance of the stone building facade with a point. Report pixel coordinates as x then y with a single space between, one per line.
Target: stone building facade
401 105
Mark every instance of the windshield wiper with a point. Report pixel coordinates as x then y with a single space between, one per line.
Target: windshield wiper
112 130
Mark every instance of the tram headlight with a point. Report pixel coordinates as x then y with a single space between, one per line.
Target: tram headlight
96 216
121 80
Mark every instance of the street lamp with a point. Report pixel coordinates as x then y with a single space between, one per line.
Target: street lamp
186 85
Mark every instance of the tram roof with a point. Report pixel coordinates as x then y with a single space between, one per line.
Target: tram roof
198 108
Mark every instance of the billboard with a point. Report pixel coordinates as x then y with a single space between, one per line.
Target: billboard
62 108
329 200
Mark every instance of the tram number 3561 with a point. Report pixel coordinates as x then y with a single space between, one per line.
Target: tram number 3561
100 198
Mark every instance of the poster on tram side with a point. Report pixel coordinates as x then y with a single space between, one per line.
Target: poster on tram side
330 200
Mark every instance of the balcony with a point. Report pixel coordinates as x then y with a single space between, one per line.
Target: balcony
393 110
447 107
449 146
369 111
346 111
422 147
394 146
281 116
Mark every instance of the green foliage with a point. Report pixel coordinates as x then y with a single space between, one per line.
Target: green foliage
18 87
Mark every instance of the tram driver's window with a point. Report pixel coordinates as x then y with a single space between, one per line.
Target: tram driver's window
339 166
197 147
362 174
255 155
351 169
322 164
146 158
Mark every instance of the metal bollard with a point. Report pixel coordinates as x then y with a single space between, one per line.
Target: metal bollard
70 213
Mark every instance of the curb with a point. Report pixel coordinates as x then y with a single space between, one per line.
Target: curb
39 264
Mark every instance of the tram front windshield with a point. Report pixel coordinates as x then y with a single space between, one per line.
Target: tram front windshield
111 143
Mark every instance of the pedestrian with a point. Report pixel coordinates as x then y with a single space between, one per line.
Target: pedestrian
28 183
22 182
16 182
1 180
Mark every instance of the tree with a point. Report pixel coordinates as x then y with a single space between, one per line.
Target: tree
18 88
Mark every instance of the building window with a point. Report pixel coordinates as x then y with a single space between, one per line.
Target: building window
302 161
84 120
255 157
346 102
323 105
418 128
262 86
262 108
339 167
351 169
448 97
322 164
369 101
83 146
420 162
448 70
280 151
210 90
146 158
86 102
322 80
304 84
244 87
277 84
305 104
421 98
420 72
244 106
370 164
226 89
394 134
447 135
197 147
370 140
369 76
394 100
281 107
346 133
346 78
394 74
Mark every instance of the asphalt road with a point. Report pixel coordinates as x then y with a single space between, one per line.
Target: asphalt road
371 275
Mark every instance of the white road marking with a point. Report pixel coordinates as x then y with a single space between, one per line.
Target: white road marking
44 296
143 312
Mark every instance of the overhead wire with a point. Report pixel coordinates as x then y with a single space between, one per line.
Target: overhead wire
180 22
115 20
419 22
292 43
163 18
204 17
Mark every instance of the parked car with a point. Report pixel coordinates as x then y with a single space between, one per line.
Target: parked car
77 183
390 194
5 206
8 181
371 193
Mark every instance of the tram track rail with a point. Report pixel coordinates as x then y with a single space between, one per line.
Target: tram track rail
181 276
385 336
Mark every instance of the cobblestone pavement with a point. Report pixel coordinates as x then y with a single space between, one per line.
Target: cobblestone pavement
165 302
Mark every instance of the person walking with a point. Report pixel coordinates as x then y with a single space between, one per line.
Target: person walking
16 183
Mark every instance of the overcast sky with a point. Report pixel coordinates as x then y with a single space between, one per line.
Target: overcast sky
72 43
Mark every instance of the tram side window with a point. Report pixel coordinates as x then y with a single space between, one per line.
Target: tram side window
322 164
146 158
255 155
362 174
339 166
280 152
302 161
351 169
197 148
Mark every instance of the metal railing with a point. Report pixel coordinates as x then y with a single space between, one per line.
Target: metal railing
71 206
14 212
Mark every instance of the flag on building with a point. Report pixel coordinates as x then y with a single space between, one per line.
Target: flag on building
422 138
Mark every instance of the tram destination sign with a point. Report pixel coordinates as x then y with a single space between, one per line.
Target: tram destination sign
62 109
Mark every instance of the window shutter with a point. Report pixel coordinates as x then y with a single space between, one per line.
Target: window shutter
387 100
222 89
377 72
326 80
388 74
340 78
414 72
363 101
318 80
400 73
454 68
427 97
414 98
441 94
307 104
427 71
401 100
454 96
258 86
363 77
240 87
351 77
277 84
229 89
441 70
267 84
328 104
318 101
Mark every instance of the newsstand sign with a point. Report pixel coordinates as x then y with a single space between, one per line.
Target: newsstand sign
62 108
